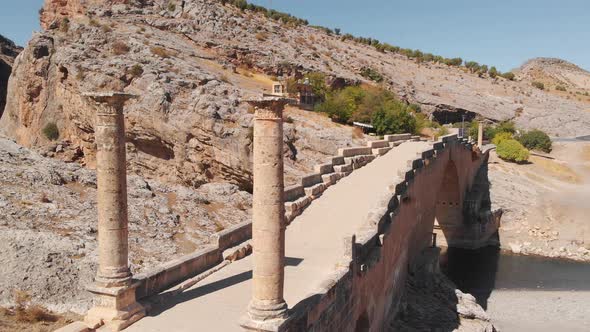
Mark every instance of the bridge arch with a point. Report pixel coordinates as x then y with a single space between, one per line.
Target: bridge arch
449 204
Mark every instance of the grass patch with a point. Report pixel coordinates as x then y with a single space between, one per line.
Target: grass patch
556 170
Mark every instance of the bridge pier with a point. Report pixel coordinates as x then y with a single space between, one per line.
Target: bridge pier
267 307
115 305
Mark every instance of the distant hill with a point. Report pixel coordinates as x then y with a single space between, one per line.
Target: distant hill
556 75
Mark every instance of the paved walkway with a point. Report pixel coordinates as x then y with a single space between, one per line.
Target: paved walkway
314 244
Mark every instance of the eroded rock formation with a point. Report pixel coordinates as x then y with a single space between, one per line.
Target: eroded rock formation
8 52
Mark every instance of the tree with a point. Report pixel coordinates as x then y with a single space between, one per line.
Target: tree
317 81
509 76
393 121
337 31
512 150
536 140
493 72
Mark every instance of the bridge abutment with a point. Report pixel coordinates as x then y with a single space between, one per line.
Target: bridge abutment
115 305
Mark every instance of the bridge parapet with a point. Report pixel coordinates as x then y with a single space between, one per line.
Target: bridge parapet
380 252
297 198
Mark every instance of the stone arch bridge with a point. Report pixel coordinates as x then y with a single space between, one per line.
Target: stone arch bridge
357 227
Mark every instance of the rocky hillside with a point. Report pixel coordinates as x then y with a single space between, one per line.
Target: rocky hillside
191 62
555 72
48 225
559 77
8 52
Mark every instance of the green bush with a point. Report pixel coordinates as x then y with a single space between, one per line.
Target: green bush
536 140
394 121
317 81
538 85
371 74
501 137
509 76
493 72
51 131
512 150
560 88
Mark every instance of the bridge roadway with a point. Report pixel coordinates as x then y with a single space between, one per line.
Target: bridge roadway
314 245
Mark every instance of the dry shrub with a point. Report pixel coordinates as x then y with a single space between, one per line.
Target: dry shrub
44 198
160 51
25 312
357 133
261 36
120 48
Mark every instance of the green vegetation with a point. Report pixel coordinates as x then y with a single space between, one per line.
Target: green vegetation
171 6
51 131
493 72
489 132
536 140
560 88
394 120
376 106
538 85
371 74
512 150
243 5
509 76
501 137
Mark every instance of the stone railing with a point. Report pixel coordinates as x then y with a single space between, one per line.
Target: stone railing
331 308
297 198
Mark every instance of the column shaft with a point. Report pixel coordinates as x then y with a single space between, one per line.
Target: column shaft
268 226
113 269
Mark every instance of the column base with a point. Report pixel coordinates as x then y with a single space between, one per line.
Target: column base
264 316
116 308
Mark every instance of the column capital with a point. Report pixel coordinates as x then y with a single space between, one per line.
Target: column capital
108 102
269 108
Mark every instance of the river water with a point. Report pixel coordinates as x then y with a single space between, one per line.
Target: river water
523 293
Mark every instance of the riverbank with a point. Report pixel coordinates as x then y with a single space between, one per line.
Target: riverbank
545 202
523 293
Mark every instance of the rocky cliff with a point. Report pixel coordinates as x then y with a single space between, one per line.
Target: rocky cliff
191 62
187 126
8 51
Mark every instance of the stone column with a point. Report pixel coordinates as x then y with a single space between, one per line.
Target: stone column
267 308
116 306
480 135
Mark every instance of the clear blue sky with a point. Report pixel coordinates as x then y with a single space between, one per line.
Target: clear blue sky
503 33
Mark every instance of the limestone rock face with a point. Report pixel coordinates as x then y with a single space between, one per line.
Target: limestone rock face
193 61
8 51
48 225
56 10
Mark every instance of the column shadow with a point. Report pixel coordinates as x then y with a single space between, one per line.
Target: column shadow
169 299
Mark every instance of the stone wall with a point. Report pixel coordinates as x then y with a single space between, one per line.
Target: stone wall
363 293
